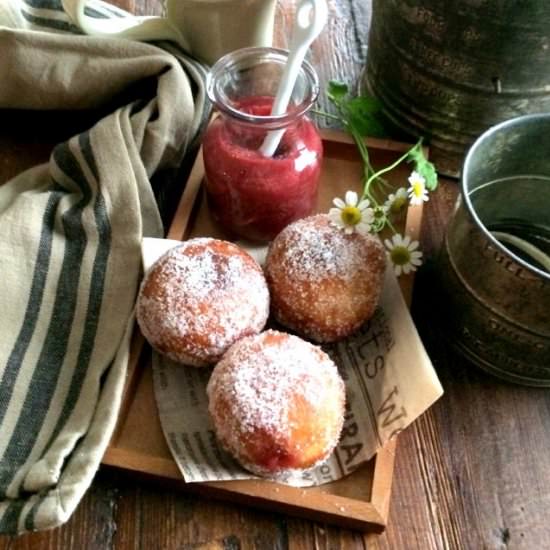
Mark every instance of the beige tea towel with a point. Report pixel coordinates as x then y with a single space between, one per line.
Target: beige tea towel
70 238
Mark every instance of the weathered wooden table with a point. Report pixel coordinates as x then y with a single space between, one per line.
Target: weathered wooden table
473 472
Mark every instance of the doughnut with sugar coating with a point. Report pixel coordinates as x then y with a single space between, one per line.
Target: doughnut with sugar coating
324 284
277 404
201 297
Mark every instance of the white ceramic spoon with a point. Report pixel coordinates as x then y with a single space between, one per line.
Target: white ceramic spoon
311 17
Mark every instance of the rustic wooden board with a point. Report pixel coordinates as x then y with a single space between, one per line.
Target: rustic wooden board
360 500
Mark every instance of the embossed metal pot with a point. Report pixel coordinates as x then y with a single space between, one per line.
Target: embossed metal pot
450 69
497 292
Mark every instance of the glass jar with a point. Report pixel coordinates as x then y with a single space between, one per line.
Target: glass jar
249 194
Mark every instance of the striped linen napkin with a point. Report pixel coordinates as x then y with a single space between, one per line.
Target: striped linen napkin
70 244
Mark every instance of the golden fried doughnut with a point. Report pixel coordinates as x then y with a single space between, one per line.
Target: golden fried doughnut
324 284
201 297
277 404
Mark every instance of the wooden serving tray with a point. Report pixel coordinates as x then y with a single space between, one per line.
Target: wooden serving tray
361 499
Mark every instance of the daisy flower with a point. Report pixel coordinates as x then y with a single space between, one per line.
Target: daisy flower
351 214
403 254
417 190
396 201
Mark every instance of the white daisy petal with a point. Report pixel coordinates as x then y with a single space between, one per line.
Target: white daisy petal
406 241
362 228
413 245
351 198
397 240
415 177
348 230
407 269
337 223
334 215
368 216
364 204
338 202
397 269
388 243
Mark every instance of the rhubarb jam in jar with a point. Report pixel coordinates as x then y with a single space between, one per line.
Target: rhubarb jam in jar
251 194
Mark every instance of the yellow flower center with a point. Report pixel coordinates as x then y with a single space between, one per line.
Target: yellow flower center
397 204
351 215
418 188
400 255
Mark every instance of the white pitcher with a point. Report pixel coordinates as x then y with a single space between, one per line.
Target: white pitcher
207 29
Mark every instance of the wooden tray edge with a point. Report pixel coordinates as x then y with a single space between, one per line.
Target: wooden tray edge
333 509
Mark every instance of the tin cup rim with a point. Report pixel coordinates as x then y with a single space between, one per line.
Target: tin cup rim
466 196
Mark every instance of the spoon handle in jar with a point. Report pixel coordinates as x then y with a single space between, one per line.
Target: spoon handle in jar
311 16
273 138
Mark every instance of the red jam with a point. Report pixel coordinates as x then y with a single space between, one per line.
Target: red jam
253 196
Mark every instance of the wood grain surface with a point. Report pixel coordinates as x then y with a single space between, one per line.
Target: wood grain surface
473 472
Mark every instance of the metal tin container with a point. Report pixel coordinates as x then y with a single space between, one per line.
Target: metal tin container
448 70
495 263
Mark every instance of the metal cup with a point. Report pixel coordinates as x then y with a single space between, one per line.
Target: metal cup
495 262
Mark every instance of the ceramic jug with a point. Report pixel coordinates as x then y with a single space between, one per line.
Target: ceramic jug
207 29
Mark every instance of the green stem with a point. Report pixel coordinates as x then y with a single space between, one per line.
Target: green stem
363 151
391 166
384 183
390 225
327 115
356 138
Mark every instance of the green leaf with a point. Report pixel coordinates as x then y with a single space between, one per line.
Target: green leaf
423 166
428 171
337 90
364 113
416 154
361 115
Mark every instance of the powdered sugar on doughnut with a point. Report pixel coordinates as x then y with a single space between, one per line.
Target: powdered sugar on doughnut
324 283
317 250
199 298
260 393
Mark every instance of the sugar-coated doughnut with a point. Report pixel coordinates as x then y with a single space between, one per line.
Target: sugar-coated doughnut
277 404
201 297
324 284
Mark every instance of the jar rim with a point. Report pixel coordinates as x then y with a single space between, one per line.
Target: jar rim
239 57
